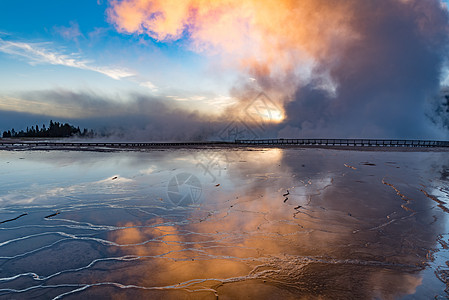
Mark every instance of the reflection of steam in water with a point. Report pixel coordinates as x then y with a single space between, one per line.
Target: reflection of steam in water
437 190
184 189
325 238
342 233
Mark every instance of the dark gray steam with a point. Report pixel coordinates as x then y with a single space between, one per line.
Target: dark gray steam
384 79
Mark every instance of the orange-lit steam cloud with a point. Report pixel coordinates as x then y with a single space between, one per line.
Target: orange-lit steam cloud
263 35
346 68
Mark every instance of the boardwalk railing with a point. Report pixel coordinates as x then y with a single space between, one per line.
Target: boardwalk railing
103 144
303 142
347 142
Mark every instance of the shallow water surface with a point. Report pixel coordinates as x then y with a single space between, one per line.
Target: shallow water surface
227 223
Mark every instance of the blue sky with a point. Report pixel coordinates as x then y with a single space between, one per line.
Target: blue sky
70 45
71 61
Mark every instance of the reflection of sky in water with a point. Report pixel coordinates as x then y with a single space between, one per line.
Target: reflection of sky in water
291 223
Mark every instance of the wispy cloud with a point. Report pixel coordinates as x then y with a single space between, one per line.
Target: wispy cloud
51 108
140 117
71 33
149 85
40 53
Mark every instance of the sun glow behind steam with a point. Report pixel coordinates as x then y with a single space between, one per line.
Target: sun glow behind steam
325 62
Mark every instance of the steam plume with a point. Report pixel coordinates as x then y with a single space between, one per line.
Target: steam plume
338 68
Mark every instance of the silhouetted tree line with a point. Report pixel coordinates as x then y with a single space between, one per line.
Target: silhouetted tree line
55 129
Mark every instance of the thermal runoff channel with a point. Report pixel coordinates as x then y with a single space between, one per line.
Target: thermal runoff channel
224 149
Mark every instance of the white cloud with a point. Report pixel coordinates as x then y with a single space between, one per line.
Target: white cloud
39 53
150 85
71 32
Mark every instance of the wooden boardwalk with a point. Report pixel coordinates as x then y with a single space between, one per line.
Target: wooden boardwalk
11 143
300 142
347 142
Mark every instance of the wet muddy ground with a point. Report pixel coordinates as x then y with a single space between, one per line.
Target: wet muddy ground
231 223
